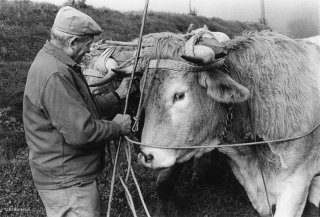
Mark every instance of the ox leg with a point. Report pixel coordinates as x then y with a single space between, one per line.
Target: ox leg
166 188
293 199
312 206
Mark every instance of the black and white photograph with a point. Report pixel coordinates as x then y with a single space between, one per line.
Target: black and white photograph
159 108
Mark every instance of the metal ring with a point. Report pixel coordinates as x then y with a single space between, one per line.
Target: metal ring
147 158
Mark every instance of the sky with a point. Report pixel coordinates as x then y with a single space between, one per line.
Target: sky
278 12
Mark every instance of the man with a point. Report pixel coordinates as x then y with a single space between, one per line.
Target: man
61 118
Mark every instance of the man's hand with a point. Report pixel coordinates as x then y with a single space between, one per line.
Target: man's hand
123 88
125 123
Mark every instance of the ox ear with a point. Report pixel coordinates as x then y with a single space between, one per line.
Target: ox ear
222 88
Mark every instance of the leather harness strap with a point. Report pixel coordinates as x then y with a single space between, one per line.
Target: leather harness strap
177 65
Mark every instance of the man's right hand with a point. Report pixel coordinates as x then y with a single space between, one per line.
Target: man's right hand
125 123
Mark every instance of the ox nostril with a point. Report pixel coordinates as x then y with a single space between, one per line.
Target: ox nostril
147 158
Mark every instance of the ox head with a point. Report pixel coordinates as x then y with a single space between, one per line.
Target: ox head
183 108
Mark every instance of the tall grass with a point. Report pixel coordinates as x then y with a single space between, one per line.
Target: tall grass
12 80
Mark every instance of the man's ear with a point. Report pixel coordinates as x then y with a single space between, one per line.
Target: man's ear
222 88
72 42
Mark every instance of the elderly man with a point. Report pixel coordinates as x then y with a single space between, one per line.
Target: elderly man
62 120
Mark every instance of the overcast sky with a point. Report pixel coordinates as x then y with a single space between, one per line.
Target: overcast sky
278 12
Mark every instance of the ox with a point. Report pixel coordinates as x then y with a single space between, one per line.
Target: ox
167 178
273 84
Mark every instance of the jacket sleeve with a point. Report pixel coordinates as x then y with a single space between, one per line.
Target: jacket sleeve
68 112
109 105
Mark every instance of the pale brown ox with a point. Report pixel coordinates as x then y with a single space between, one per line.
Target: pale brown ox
274 83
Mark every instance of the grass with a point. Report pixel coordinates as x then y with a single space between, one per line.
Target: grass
13 76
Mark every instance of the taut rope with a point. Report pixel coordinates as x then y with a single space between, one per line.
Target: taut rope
217 143
127 148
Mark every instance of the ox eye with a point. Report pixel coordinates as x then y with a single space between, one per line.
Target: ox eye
178 97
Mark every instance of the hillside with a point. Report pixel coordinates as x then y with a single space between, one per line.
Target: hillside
25 26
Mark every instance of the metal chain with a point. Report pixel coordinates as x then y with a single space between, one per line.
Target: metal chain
228 123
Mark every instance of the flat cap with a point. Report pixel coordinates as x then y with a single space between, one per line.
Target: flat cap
72 21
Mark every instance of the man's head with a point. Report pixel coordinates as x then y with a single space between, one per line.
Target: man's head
73 32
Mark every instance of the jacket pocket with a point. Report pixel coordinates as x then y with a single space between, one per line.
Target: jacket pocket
54 198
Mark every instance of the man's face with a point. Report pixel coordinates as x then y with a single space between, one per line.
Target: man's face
81 48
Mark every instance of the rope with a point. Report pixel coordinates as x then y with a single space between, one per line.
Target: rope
265 187
138 51
128 196
127 148
217 142
253 129
143 96
127 97
129 160
130 170
135 126
126 62
127 192
139 191
112 180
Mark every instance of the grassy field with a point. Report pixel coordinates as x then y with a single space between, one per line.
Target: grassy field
24 28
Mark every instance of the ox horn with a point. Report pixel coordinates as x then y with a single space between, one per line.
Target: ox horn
107 78
202 55
130 60
113 72
109 75
190 28
124 71
208 56
217 63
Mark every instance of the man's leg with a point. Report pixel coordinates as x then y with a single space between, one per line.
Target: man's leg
81 200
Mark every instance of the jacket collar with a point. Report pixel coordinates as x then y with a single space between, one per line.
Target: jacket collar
59 54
